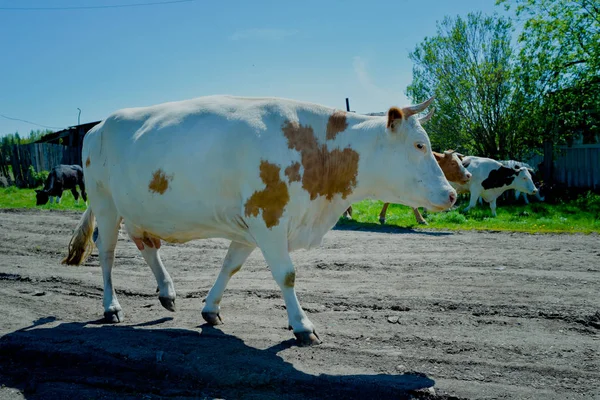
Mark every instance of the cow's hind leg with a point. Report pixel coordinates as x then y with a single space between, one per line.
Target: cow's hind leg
348 213
235 258
383 213
275 251
166 289
108 221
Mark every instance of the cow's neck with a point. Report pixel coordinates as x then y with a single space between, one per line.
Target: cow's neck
364 136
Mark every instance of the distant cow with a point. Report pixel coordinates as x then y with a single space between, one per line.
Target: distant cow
62 177
262 172
519 164
490 178
453 170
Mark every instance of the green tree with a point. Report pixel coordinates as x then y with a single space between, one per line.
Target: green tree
559 67
469 67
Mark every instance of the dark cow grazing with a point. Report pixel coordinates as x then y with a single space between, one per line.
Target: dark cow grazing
62 177
490 178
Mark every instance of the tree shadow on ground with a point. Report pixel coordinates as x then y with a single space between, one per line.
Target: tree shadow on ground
346 225
92 360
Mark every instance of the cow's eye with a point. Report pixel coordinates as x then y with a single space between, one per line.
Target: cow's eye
420 146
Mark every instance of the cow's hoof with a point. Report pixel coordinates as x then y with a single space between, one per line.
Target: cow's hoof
423 222
113 317
382 221
212 318
304 339
168 303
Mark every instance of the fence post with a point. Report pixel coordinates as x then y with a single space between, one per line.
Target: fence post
548 162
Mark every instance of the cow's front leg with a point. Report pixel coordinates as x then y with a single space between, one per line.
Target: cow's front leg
419 217
75 195
279 261
493 207
473 201
235 258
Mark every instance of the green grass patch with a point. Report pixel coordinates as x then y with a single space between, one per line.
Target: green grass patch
581 215
12 197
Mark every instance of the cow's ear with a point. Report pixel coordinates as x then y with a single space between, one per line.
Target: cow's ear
466 162
394 117
438 156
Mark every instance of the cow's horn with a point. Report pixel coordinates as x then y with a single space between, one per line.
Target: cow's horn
412 110
426 118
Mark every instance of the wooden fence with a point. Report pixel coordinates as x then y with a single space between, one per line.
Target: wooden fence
42 156
576 166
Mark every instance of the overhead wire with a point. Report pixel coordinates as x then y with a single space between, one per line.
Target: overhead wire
29 122
153 3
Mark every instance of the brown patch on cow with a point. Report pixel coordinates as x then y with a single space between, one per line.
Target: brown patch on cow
450 167
293 172
394 114
337 123
290 280
326 173
235 270
87 162
160 182
272 199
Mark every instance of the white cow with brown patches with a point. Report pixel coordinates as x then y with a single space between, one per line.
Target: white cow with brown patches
262 172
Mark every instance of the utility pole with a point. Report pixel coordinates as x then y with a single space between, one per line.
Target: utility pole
78 116
347 104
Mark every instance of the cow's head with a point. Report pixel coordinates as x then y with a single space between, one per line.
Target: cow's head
41 197
411 172
523 181
452 167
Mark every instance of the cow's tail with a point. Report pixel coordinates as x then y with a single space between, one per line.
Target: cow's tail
81 244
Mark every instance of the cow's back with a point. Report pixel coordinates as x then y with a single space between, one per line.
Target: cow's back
176 164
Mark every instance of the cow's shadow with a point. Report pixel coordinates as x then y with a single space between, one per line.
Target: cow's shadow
345 225
91 360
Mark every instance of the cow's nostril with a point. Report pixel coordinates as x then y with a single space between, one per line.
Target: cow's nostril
452 198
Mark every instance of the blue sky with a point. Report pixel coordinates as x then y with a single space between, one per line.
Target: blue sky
100 60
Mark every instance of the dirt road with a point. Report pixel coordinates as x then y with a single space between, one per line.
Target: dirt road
470 314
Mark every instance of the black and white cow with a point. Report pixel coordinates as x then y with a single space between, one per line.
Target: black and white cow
519 164
62 177
490 178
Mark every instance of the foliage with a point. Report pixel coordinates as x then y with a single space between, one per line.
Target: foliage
469 67
559 68
589 202
34 135
38 177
